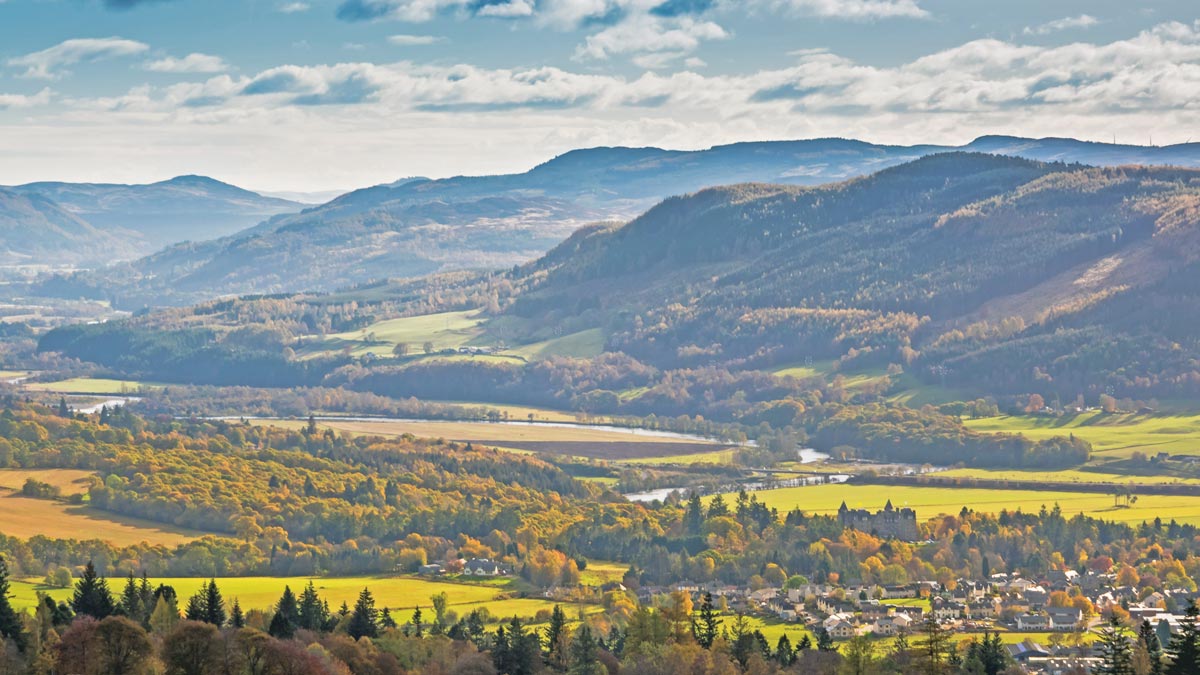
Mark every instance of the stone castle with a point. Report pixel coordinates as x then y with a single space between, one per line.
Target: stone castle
890 522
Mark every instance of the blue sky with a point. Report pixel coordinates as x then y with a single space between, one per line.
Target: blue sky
332 94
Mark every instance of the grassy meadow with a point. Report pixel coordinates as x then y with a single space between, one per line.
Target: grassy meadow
400 594
25 517
1115 436
930 502
91 385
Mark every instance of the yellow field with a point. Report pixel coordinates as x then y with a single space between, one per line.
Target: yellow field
1112 436
25 517
1066 475
930 502
399 594
714 457
70 481
88 385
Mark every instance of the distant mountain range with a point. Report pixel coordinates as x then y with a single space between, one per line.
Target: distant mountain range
112 222
975 274
418 226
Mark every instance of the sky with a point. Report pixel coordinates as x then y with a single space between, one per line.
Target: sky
314 95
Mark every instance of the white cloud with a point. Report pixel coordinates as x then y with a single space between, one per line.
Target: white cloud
1066 23
11 101
654 41
438 120
192 63
294 7
510 10
857 10
414 40
50 63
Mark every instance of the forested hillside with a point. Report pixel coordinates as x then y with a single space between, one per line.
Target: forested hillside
419 226
35 230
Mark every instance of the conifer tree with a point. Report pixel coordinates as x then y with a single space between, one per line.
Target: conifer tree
1151 648
92 596
783 651
556 639
364 620
10 622
385 618
287 616
214 605
236 618
1116 651
165 615
1184 647
313 613
707 625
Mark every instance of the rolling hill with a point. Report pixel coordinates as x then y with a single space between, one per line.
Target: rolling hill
35 230
418 226
149 217
995 274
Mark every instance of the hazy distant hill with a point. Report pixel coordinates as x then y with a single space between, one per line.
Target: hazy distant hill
417 226
36 231
998 275
149 217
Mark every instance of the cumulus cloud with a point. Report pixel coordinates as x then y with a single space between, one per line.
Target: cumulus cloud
1066 23
192 63
11 101
441 118
50 63
654 41
850 9
414 40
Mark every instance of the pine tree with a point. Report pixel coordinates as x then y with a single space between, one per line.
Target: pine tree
1116 651
131 601
804 644
236 618
933 652
825 640
287 616
10 622
708 625
694 518
385 618
313 614
417 622
1149 643
556 639
214 605
195 608
1184 648
364 620
92 596
63 410
783 651
583 652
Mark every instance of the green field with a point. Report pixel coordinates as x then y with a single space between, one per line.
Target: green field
447 330
584 344
89 385
521 412
1115 436
714 457
396 593
931 502
1065 476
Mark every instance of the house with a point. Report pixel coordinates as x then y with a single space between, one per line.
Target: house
484 567
1064 618
1025 650
872 612
1039 622
1036 597
982 609
892 625
1061 580
945 610
843 630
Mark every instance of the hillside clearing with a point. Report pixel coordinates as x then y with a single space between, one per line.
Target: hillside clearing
1115 436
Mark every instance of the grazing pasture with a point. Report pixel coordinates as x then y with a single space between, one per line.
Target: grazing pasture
400 594
91 385
1115 436
931 502
69 481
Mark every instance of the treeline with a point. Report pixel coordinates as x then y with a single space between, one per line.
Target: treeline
901 434
101 633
